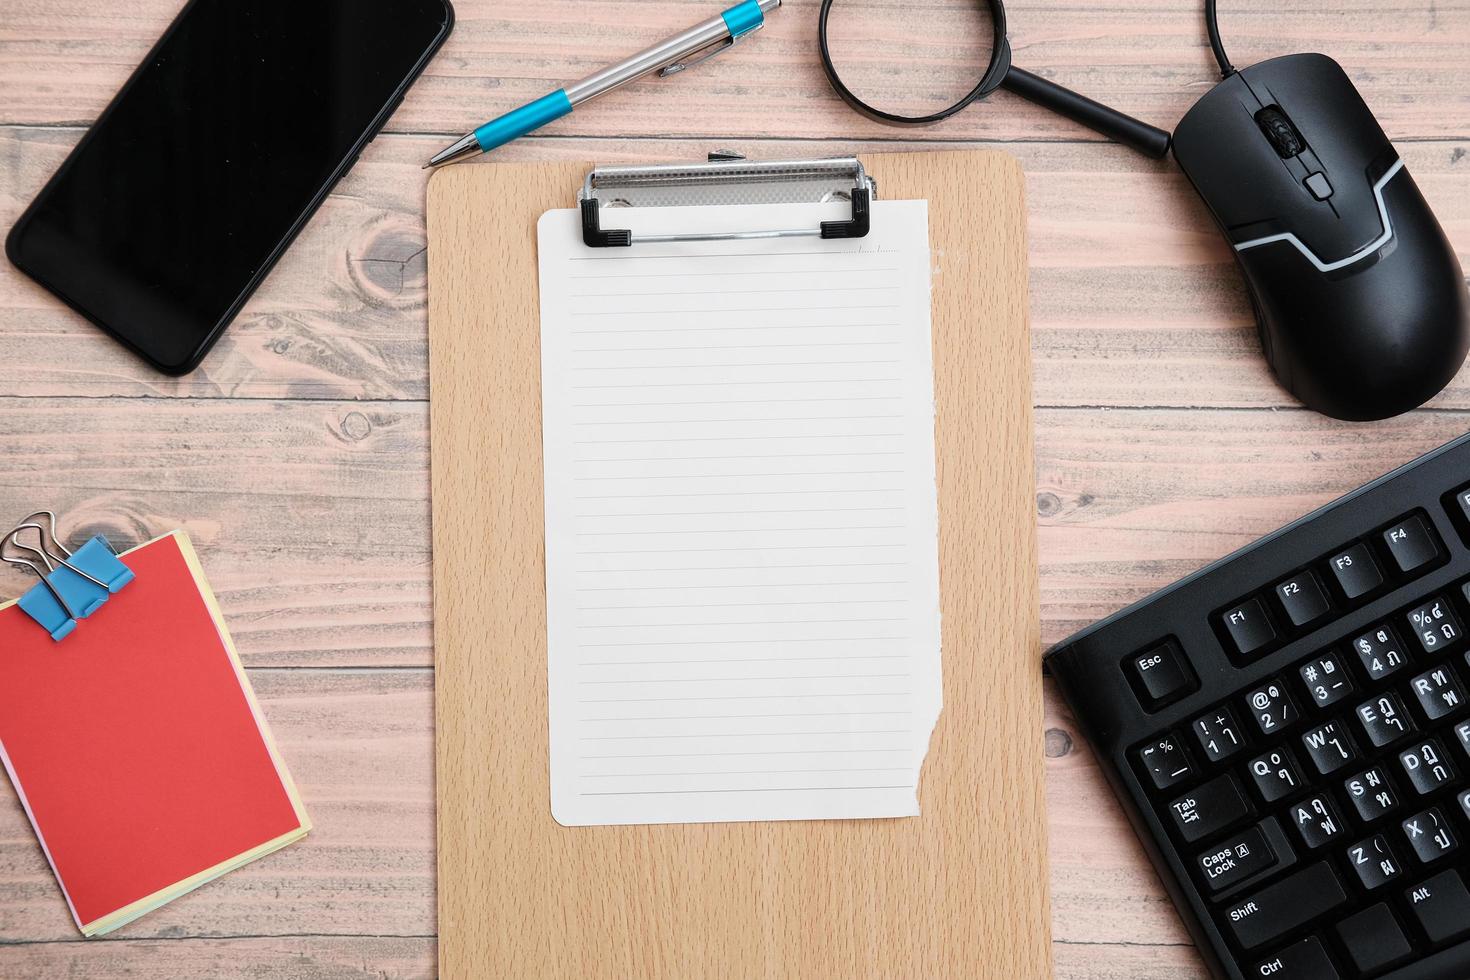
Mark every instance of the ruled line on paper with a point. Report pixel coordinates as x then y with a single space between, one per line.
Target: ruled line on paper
740 520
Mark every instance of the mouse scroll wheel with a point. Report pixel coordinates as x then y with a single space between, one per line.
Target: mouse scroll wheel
1282 135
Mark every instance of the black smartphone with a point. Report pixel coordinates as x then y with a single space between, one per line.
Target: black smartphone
198 175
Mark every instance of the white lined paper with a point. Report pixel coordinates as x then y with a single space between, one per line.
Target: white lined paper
741 521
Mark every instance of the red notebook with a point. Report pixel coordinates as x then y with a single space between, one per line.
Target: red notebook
136 746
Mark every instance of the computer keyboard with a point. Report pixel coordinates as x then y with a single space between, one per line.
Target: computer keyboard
1289 732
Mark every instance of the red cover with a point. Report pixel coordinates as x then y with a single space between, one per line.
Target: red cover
132 743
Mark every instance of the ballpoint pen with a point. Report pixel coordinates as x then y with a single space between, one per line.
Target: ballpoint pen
703 40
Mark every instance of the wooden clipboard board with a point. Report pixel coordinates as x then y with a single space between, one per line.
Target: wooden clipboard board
960 891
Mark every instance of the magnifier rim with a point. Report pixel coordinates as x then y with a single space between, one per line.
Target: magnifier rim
1000 64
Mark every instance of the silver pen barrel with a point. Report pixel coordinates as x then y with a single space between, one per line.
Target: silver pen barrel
667 52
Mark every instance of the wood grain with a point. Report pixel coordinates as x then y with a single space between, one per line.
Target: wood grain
1162 443
61 61
958 892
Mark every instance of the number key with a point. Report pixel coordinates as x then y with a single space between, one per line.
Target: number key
1435 624
1327 682
1219 734
1272 707
1381 652
1165 762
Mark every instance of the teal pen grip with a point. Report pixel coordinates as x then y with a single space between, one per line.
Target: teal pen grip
519 122
744 18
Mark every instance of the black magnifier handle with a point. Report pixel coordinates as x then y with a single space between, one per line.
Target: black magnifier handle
1149 140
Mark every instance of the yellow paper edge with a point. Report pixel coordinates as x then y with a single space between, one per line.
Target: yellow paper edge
163 896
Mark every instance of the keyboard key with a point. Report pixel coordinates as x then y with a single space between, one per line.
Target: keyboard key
1427 767
1381 651
1219 734
1329 747
1285 906
1302 599
1327 682
1236 859
1435 624
1275 774
1249 627
1316 821
1442 906
1462 732
1372 794
1430 836
1464 799
1356 572
1304 960
1210 808
1462 500
1165 762
1413 544
1439 692
1374 862
1272 707
1384 719
1162 675
1373 939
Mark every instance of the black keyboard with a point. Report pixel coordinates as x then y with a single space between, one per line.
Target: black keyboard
1289 731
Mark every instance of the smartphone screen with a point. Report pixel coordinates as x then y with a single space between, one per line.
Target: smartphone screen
198 175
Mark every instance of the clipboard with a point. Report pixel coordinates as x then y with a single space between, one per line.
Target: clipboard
960 891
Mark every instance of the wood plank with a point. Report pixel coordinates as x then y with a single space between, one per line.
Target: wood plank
319 957
360 747
311 518
1135 300
1127 961
61 61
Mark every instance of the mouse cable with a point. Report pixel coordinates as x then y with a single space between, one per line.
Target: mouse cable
1212 24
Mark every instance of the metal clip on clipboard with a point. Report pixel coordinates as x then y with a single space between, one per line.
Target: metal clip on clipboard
748 182
73 585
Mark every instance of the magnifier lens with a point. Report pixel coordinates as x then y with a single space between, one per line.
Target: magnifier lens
907 64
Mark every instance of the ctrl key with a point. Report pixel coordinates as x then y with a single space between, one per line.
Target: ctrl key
1277 909
1306 960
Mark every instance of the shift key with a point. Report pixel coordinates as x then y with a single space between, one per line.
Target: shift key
1292 902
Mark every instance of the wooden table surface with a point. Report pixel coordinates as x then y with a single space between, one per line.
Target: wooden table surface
297 456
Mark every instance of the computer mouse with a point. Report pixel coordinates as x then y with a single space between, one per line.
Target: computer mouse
1360 301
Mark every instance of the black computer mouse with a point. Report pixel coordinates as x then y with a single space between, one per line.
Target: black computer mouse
1359 297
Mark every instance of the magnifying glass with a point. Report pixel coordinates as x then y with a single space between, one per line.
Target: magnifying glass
999 73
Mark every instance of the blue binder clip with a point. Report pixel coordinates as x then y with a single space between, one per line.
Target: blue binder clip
73 585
